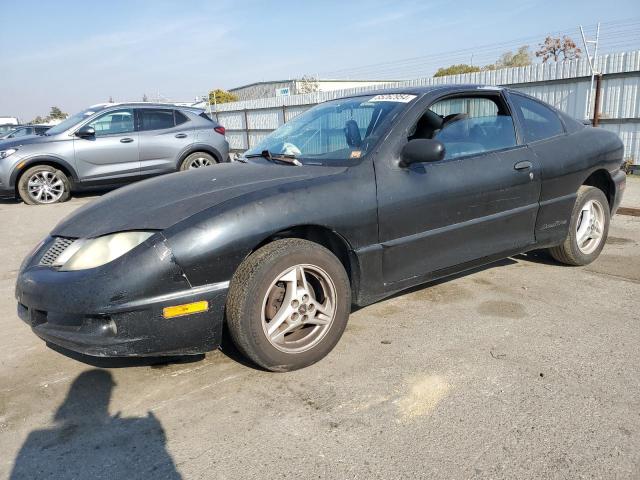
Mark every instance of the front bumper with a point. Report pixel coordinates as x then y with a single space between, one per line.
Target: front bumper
117 310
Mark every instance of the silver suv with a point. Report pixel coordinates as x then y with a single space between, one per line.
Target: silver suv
106 145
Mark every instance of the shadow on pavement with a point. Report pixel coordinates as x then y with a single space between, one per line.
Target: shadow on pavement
87 442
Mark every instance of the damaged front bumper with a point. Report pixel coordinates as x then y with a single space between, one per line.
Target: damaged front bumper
117 310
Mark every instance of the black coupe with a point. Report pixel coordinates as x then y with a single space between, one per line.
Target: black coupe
351 201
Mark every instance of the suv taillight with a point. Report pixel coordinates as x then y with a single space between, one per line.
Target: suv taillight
220 129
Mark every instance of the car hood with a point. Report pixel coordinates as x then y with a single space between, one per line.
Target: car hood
161 202
26 140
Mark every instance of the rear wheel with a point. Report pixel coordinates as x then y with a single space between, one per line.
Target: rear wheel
44 184
588 229
197 160
288 304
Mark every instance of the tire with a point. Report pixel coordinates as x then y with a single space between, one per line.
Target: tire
261 292
593 201
197 160
44 184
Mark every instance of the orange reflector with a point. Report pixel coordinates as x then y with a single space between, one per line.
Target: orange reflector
186 309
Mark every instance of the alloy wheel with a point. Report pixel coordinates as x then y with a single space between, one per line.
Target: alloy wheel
299 308
200 162
590 226
45 187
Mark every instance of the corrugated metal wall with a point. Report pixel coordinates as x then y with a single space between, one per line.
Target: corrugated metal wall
564 85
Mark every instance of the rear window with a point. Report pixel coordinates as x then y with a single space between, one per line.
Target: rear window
538 121
155 119
204 115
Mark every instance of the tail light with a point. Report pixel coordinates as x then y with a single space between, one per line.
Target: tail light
220 129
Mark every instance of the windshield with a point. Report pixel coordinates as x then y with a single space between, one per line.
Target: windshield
335 131
72 120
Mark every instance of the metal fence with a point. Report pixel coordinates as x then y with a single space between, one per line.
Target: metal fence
566 85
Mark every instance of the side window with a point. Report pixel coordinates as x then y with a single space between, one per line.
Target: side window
113 123
22 132
180 117
155 119
538 121
468 125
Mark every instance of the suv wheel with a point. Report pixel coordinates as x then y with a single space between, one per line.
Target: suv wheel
43 184
197 160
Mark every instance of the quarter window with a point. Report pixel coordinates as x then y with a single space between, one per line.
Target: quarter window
538 121
113 123
181 118
155 119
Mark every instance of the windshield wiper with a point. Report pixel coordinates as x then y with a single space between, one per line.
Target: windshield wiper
280 157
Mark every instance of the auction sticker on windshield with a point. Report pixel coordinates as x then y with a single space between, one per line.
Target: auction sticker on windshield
393 97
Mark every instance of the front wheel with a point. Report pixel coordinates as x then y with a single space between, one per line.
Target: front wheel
288 304
588 229
44 184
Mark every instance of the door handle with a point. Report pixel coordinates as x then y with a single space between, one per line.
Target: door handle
181 135
523 165
126 140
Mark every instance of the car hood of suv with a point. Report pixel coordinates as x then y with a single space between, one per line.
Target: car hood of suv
159 203
26 140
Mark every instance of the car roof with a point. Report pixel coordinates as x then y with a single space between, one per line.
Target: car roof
147 105
421 90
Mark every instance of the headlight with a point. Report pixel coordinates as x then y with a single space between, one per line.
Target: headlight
98 251
6 153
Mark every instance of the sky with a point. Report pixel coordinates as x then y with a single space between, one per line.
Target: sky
73 54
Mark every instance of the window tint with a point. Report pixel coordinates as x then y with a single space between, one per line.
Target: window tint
180 118
155 119
467 126
538 121
112 123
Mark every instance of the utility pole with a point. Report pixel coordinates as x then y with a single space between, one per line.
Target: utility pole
592 61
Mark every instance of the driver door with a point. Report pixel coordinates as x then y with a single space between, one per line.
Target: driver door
481 200
113 152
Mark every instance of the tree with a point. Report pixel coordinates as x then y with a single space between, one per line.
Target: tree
521 58
38 120
221 96
307 84
554 48
56 114
456 70
144 97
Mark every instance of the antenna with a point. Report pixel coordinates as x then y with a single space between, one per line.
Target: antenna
592 61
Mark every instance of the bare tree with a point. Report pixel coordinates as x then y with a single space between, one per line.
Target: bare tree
558 49
307 84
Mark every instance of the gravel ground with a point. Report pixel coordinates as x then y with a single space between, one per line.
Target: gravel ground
524 369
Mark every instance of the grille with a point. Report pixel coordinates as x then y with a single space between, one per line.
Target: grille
60 244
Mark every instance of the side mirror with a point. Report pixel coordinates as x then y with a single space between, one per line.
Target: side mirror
86 132
421 150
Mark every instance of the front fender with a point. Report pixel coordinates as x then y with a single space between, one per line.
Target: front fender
211 245
40 159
